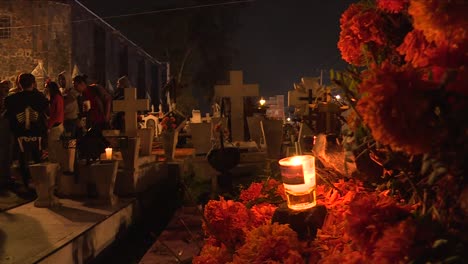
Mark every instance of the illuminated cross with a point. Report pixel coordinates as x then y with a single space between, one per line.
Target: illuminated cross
237 90
130 106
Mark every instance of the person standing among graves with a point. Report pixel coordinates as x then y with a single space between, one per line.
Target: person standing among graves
98 116
55 122
5 140
118 121
96 102
73 108
25 111
62 83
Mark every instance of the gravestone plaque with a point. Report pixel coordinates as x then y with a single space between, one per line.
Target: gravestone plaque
255 129
273 134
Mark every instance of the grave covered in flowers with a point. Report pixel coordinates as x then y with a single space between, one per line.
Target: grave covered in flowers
407 86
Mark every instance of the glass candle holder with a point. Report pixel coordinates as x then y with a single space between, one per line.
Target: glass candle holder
298 176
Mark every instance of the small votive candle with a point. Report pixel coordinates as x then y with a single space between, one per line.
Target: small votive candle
108 153
298 175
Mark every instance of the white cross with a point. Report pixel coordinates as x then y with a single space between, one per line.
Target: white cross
237 90
130 105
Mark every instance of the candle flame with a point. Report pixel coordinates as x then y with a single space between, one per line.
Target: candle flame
296 160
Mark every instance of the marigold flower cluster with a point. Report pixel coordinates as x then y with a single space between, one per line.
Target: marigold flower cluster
392 6
269 191
361 34
361 227
227 221
168 123
440 20
397 107
271 243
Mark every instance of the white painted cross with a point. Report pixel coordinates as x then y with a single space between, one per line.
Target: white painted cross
130 105
237 90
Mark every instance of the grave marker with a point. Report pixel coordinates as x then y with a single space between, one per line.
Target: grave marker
130 106
236 91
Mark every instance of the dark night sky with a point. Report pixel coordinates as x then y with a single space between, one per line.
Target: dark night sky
279 41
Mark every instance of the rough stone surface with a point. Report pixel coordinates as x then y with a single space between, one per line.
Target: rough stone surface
94 47
27 45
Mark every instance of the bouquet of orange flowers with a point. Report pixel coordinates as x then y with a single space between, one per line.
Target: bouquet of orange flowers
168 124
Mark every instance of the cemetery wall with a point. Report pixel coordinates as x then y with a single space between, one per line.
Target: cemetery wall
104 54
32 31
63 34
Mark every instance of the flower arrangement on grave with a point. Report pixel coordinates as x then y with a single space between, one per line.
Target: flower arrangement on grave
221 133
168 124
408 90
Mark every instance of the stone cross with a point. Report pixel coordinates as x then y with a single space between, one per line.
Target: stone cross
237 90
130 105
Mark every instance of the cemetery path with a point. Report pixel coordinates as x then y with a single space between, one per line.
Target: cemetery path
9 199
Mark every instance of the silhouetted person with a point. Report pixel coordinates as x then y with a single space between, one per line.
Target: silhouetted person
25 111
5 140
55 121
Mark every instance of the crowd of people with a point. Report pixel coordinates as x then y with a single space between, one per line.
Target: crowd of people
33 121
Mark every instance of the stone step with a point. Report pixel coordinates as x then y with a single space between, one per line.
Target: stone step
72 233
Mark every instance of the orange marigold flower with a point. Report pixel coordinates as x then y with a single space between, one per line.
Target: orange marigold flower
421 53
440 20
417 49
213 255
398 109
226 221
253 192
392 6
360 28
395 245
368 217
262 214
272 243
270 189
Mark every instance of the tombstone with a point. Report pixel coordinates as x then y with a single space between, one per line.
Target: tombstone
305 138
255 130
328 121
201 137
44 178
196 116
130 106
102 180
303 96
146 136
236 91
207 118
275 108
273 133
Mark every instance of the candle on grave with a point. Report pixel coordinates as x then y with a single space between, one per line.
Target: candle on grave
108 153
298 175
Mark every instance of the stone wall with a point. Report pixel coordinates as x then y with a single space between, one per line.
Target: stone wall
40 32
64 34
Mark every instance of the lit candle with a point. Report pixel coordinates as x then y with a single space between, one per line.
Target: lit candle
108 153
298 175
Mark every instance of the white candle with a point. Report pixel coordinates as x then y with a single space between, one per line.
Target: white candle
298 175
108 153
